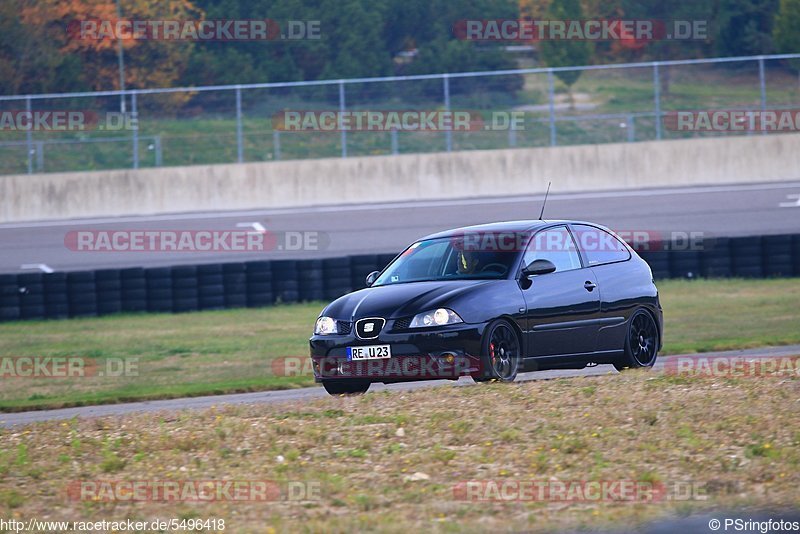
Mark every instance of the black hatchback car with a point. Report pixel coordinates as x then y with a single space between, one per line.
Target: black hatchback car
490 301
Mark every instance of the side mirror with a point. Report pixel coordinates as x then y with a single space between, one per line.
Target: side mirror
537 267
371 277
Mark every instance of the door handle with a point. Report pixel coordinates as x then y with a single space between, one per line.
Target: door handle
589 286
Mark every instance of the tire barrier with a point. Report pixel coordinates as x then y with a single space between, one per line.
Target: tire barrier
134 289
258 275
285 282
186 288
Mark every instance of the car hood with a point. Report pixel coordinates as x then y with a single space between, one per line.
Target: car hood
402 300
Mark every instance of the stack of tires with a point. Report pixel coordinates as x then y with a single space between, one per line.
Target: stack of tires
159 289
211 288
9 297
684 263
134 289
746 257
717 258
56 303
108 285
31 295
337 276
185 294
361 266
234 281
777 253
658 259
309 274
258 275
82 294
796 253
285 283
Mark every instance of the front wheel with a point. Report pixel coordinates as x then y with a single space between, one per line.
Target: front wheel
501 353
345 387
641 343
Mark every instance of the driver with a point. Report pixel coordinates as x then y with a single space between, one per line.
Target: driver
467 261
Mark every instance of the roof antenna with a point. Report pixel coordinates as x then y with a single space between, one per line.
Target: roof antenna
545 201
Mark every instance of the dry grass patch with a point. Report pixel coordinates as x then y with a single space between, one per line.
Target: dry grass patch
390 461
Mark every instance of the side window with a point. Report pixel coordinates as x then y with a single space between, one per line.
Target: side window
600 246
556 245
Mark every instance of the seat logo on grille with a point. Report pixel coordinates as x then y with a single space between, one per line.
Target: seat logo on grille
369 328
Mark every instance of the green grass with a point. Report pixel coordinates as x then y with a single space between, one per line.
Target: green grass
233 350
711 445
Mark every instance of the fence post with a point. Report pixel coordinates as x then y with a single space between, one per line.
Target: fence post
39 156
657 98
448 134
29 137
135 123
551 97
342 108
276 143
239 143
631 129
157 146
395 144
762 80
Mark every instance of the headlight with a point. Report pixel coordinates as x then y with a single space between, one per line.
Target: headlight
439 317
325 326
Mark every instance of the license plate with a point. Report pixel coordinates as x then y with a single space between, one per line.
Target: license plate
372 352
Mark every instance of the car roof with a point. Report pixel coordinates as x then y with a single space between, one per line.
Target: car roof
506 226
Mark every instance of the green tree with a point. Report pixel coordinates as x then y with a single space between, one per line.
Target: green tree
745 27
566 53
786 34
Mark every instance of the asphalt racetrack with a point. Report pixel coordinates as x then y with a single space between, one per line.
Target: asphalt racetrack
302 395
733 210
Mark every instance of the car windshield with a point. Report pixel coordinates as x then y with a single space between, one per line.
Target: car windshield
452 258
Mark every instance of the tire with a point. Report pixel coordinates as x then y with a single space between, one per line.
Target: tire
9 313
258 300
235 300
209 269
642 335
345 387
501 352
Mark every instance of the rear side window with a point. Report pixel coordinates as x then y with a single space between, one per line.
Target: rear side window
599 246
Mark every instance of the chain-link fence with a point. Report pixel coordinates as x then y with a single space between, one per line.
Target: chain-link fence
246 123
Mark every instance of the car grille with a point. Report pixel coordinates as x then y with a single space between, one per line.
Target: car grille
344 327
402 324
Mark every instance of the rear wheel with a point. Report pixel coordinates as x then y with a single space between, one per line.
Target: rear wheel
345 387
641 343
501 353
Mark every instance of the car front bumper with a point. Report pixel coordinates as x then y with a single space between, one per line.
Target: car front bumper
445 352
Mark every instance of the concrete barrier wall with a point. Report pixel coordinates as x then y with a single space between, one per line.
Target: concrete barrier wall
398 178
